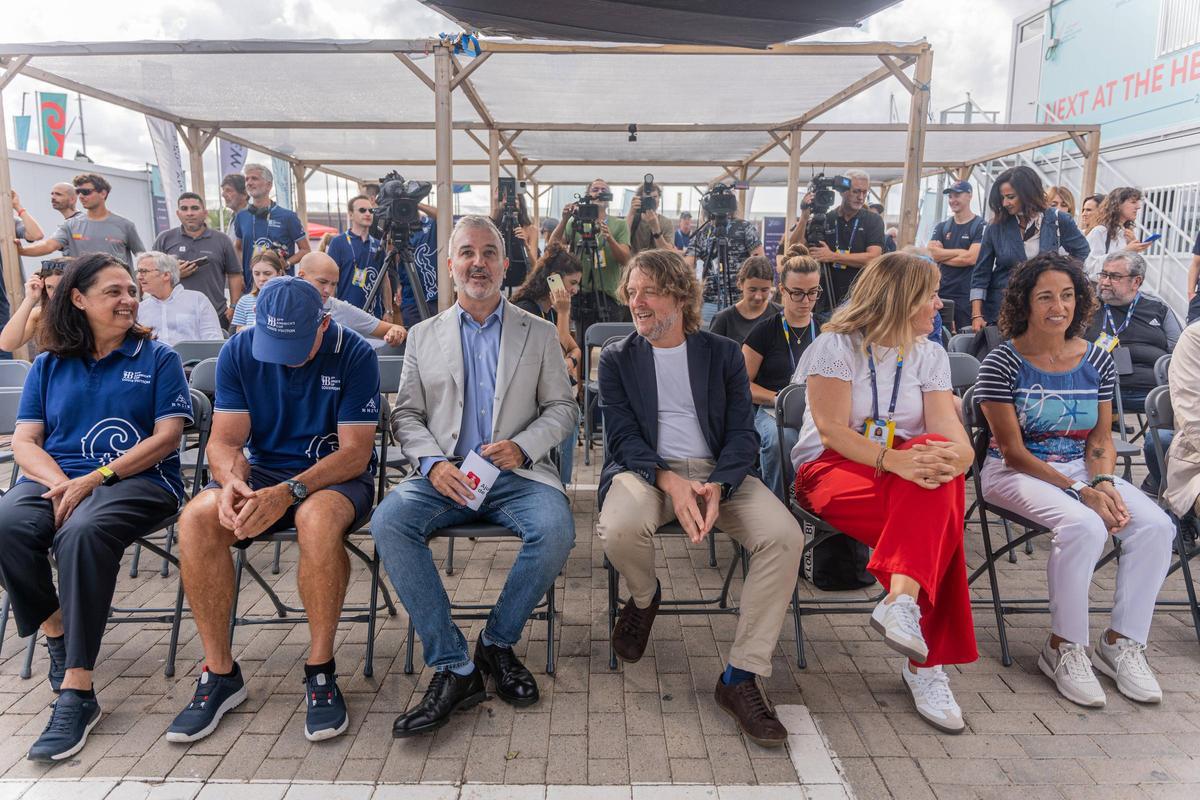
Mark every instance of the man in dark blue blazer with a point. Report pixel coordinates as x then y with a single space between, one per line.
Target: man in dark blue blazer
681 444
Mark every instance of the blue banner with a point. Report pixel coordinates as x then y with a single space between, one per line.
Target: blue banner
21 127
773 230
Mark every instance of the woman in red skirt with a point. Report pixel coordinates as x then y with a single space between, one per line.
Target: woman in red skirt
881 456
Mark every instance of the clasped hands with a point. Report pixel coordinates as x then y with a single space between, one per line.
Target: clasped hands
696 504
248 512
928 465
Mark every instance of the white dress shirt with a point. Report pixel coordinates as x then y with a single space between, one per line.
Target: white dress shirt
185 316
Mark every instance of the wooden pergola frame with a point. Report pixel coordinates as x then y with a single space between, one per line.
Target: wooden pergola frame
497 138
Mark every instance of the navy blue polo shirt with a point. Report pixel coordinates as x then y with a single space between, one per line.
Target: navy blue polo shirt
359 262
424 257
295 411
956 281
93 412
279 230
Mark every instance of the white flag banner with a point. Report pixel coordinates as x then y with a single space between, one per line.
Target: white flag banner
283 181
169 157
233 157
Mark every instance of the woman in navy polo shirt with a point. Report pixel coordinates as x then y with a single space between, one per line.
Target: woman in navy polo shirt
97 443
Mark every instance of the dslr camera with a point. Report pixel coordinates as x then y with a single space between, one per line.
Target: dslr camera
649 200
397 203
719 202
824 191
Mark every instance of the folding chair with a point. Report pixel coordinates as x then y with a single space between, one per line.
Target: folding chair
13 372
193 352
546 611
1162 370
597 334
1126 450
961 343
964 371
789 414
947 313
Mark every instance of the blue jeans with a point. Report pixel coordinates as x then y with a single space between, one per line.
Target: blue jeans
566 450
768 454
401 527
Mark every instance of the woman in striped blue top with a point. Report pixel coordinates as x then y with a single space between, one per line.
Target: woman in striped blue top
1047 395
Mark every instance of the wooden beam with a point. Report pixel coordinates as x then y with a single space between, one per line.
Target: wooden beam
914 154
13 69
860 85
443 115
799 49
812 140
1080 142
312 171
196 144
1020 147
301 195
793 178
475 138
463 72
783 145
1091 166
414 69
741 193
898 73
493 149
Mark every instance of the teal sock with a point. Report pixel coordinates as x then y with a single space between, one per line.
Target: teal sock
733 675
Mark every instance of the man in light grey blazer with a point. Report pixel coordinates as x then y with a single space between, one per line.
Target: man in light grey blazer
484 377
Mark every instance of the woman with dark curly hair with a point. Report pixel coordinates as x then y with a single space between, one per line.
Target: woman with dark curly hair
1113 227
1047 395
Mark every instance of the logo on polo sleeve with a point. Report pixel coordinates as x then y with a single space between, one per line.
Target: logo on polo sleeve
109 439
371 407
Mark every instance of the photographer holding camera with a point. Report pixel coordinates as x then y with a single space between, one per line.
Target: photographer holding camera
741 240
511 218
601 243
649 229
851 236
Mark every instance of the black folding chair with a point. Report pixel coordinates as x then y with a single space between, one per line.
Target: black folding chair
193 352
947 313
961 343
1126 449
964 371
597 334
1162 370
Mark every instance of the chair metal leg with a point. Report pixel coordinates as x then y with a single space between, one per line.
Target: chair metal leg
173 646
408 652
133 562
239 565
1186 570
799 626
275 561
369 662
170 538
587 429
27 666
3 620
450 556
1005 657
551 613
613 580
712 550
387 599
1012 556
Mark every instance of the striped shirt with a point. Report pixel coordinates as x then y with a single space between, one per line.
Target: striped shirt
1056 410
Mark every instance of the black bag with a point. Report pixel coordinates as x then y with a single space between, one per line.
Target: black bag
985 342
838 563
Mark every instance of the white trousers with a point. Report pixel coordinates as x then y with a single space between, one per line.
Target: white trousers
1079 540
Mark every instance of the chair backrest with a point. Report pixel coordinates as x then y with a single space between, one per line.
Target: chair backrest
600 332
1160 414
390 350
1162 370
964 371
961 343
204 376
1123 360
10 402
193 352
972 415
947 313
13 372
789 413
390 369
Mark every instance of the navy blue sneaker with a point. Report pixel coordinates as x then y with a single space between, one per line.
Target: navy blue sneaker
72 718
58 662
215 695
327 715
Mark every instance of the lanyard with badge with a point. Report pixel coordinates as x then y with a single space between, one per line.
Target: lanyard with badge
787 337
838 240
1109 341
876 429
359 275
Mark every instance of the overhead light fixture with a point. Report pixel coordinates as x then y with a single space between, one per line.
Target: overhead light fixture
633 132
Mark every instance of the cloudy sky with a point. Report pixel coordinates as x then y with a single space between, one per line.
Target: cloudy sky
970 38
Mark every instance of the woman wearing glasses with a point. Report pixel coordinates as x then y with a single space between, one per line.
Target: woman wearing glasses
881 457
755 281
773 350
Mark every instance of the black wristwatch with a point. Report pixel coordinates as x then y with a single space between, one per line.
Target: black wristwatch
299 491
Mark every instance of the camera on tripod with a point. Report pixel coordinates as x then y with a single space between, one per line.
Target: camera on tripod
397 204
824 193
719 202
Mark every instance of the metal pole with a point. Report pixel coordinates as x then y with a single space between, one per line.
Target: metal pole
915 152
443 119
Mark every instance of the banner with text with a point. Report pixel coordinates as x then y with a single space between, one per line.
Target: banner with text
232 157
283 182
52 111
158 202
169 157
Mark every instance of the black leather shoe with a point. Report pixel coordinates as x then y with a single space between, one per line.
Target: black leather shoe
514 683
448 692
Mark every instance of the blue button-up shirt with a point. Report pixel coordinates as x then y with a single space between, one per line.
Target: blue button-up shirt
481 355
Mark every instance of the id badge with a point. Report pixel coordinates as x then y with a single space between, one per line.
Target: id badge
360 278
881 432
1107 342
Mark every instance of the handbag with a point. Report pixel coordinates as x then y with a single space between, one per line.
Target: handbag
839 563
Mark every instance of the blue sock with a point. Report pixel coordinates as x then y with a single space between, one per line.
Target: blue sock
733 675
465 669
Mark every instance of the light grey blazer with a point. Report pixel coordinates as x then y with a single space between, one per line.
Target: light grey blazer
534 405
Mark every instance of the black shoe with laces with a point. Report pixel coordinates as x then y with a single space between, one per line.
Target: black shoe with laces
327 716
214 696
514 683
57 648
631 634
448 692
72 718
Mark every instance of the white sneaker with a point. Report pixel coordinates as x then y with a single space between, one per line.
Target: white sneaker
900 624
1125 662
1071 671
930 690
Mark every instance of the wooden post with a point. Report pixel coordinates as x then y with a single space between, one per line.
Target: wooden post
914 154
493 162
443 120
14 278
1091 164
301 195
195 145
793 179
743 174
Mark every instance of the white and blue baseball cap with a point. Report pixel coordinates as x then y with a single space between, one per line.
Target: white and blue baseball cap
287 314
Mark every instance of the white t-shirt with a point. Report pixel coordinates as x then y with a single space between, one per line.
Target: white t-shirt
679 433
840 356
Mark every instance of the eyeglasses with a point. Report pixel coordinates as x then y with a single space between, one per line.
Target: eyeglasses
364 211
1112 277
145 272
84 192
812 295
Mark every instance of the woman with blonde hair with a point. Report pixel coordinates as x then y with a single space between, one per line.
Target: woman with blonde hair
881 457
1062 198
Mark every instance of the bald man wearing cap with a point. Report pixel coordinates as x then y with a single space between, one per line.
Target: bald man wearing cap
322 271
300 395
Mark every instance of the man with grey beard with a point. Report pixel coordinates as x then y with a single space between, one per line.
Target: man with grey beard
690 456
481 379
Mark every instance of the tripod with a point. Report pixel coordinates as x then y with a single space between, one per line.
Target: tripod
593 306
718 255
399 257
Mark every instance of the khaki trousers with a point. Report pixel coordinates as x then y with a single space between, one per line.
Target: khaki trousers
633 510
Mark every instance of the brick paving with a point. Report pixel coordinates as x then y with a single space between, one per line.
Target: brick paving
649 723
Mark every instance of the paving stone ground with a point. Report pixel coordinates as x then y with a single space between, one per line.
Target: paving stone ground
653 722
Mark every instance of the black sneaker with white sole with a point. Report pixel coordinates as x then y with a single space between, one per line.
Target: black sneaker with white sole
72 718
215 695
327 716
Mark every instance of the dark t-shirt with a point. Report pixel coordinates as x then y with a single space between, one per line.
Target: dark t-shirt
956 281
730 323
856 234
530 305
780 349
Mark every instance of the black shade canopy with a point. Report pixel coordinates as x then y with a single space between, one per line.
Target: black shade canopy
736 23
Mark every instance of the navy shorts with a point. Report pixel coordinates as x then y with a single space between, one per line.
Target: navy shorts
359 491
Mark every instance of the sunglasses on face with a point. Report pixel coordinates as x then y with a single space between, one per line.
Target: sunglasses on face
84 192
813 294
363 211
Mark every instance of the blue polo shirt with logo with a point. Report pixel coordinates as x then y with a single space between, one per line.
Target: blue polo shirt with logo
295 411
359 262
93 412
279 230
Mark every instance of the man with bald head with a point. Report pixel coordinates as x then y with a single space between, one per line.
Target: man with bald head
63 198
485 379
321 271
